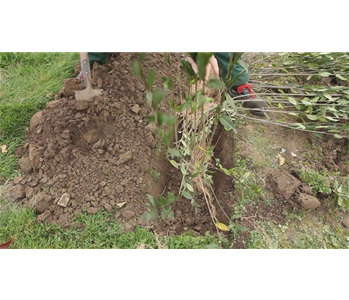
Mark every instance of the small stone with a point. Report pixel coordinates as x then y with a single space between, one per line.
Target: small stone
44 179
124 182
91 136
17 179
178 213
151 127
16 192
36 120
82 104
44 216
128 214
64 200
283 183
189 221
92 210
135 108
34 156
25 165
34 183
125 158
103 183
308 189
29 191
52 104
108 207
41 202
308 201
197 228
119 189
70 86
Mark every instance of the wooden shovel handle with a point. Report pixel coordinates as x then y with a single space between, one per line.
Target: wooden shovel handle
86 70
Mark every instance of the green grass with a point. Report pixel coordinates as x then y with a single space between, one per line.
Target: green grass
98 231
189 241
27 82
302 234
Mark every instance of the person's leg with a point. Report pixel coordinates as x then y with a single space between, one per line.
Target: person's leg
223 59
100 57
241 89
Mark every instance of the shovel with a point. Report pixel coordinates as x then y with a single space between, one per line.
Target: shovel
88 93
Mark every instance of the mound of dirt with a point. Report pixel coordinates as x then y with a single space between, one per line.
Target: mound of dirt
88 155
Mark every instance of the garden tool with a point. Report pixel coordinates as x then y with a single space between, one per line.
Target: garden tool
88 93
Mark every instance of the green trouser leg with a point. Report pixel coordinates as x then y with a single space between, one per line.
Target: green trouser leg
100 57
223 59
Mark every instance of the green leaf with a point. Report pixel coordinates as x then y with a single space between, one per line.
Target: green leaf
202 99
183 169
151 78
187 195
162 200
246 176
173 152
236 216
215 84
137 68
190 187
171 198
151 119
227 122
146 216
340 77
152 199
306 102
201 61
325 74
230 101
331 119
174 163
292 100
167 82
312 117
169 119
142 55
167 138
329 97
158 95
154 213
188 69
299 126
163 214
171 103
170 214
149 97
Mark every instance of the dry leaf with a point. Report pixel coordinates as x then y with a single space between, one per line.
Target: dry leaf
3 148
222 226
6 245
121 204
281 160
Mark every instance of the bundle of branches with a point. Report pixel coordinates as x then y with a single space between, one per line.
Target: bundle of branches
311 87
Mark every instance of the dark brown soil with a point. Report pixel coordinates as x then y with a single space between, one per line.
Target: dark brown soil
101 154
